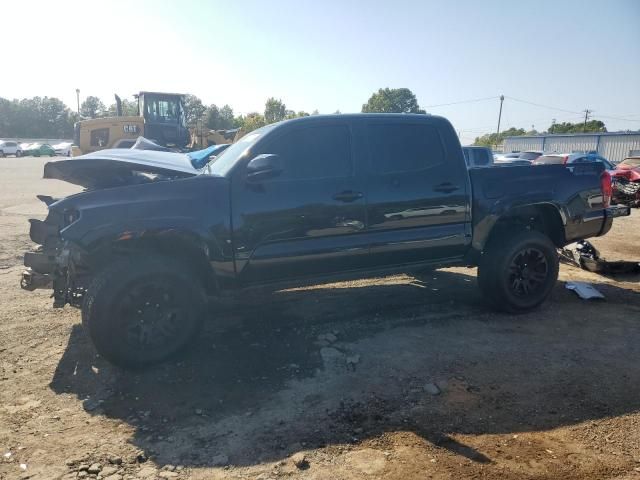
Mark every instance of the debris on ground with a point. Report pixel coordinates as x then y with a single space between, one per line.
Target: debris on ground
352 360
431 389
329 337
300 460
584 290
584 255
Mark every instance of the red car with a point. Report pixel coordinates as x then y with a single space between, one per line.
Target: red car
626 182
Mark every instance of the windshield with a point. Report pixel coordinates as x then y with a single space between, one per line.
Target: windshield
161 109
630 162
225 162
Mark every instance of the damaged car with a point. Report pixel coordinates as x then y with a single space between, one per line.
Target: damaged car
155 235
626 182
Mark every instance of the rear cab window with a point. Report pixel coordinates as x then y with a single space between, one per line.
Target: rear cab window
404 147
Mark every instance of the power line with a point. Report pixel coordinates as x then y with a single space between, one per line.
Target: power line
620 118
571 111
463 101
541 105
544 106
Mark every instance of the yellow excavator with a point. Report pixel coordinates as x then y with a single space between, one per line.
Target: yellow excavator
160 118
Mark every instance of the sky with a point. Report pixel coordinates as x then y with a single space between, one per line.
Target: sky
564 56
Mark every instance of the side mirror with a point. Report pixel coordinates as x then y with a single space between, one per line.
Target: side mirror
264 166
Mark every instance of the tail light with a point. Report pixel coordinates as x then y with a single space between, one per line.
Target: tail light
605 185
565 159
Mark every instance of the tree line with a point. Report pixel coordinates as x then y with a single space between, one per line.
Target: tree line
49 117
592 126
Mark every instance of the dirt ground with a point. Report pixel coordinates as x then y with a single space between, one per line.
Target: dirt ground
398 378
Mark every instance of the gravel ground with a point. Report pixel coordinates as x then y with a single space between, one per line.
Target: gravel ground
396 377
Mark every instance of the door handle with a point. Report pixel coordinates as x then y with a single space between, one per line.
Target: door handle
347 196
446 187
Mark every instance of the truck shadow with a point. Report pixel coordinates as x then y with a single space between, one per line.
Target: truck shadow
334 364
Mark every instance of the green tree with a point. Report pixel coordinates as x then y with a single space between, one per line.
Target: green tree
36 117
253 121
129 109
7 118
226 117
55 117
578 127
194 110
213 117
289 114
219 118
274 110
92 107
491 139
392 100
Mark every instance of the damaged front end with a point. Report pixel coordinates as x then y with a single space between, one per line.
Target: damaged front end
626 191
59 262
56 263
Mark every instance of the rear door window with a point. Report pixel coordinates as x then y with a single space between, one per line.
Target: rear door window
400 147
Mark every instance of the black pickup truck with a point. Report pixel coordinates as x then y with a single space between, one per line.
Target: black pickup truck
153 237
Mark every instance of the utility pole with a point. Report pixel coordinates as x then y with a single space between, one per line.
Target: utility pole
500 114
587 112
78 99
553 124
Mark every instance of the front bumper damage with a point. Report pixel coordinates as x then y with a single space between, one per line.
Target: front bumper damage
53 265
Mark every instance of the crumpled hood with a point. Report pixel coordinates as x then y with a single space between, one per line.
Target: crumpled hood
118 167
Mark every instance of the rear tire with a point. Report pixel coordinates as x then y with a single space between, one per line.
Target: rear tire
18 154
142 310
516 274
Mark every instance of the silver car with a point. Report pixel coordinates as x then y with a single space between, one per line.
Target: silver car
9 147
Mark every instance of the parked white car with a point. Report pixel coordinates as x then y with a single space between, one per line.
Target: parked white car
63 148
8 147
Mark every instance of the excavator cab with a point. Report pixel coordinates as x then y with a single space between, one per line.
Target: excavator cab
160 118
164 118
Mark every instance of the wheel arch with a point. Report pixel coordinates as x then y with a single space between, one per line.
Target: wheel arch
181 245
546 218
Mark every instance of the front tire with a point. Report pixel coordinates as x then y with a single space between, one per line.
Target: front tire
517 273
142 310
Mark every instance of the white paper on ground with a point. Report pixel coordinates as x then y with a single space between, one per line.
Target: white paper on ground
584 290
